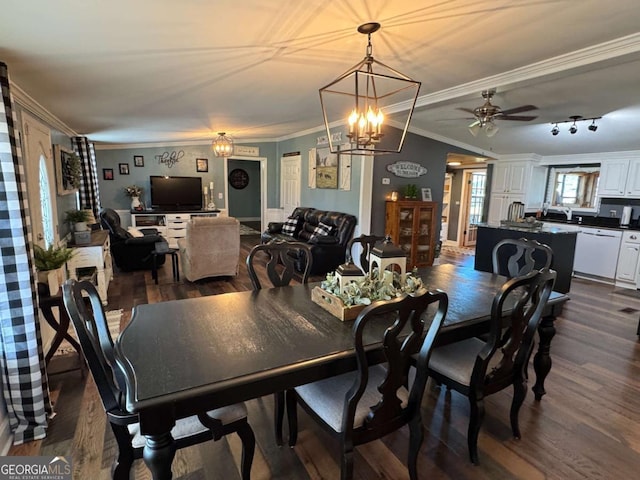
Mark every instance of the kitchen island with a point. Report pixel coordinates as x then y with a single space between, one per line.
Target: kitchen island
561 241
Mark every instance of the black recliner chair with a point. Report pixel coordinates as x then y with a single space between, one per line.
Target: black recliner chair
129 252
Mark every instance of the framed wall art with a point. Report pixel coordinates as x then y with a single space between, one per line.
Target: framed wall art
138 161
107 173
202 164
426 195
68 170
326 168
124 168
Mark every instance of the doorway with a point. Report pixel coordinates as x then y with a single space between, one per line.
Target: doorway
245 190
473 193
41 181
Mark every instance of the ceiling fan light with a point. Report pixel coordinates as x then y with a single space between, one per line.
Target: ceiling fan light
474 128
491 129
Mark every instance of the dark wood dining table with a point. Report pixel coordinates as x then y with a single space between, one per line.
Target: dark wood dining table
186 356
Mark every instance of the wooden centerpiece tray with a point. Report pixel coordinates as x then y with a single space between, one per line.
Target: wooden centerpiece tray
334 305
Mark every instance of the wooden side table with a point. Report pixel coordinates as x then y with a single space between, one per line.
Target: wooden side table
47 304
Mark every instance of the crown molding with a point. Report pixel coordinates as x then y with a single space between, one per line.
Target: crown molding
28 103
589 157
620 47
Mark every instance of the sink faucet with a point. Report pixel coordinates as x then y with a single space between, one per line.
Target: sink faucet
567 211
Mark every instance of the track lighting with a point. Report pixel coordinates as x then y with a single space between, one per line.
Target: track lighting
573 129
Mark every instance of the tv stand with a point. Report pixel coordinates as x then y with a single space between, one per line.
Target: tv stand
171 224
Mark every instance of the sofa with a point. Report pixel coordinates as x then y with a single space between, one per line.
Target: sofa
327 233
129 252
210 248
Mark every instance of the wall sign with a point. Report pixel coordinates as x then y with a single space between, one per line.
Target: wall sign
407 169
170 159
238 178
246 151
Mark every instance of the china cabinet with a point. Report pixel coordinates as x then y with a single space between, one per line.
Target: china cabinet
411 225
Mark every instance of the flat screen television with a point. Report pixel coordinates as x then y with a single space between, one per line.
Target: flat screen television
176 193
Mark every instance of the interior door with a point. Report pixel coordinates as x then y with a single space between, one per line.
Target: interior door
475 182
290 183
41 182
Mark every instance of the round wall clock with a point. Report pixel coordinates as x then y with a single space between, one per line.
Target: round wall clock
238 178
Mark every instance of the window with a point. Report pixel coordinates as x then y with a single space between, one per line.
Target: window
45 203
573 186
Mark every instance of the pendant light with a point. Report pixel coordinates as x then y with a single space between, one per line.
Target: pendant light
363 98
222 145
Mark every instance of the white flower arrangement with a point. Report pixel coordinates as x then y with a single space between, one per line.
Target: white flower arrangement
133 191
372 287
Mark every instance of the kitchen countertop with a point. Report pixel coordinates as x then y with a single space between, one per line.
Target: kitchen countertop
542 229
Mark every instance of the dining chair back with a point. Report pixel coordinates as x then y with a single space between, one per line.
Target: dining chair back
84 307
367 243
514 257
280 262
380 396
477 368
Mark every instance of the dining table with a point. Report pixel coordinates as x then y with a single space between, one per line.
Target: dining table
187 356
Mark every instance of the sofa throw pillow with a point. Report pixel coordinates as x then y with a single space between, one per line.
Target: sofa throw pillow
290 226
322 230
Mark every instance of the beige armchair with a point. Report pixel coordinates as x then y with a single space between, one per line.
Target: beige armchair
211 247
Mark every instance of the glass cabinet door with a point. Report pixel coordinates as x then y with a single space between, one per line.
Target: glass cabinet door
405 232
423 233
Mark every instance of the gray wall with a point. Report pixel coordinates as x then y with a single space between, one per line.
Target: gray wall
429 153
245 203
112 191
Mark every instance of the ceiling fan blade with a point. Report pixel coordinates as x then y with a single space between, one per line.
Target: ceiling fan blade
518 118
468 110
523 108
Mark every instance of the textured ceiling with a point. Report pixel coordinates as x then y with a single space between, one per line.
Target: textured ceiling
162 71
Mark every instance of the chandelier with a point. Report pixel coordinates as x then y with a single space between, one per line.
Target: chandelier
222 145
363 99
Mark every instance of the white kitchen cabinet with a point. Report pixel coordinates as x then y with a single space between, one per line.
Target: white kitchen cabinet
628 258
620 178
93 261
509 177
515 181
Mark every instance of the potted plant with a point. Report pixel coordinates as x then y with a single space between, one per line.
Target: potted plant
411 191
79 218
134 192
49 264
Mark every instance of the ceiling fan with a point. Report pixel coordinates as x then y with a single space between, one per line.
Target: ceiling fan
487 113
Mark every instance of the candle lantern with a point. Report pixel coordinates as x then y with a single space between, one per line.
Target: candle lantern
348 273
385 255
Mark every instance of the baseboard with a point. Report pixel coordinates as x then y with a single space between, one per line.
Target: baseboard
248 219
6 437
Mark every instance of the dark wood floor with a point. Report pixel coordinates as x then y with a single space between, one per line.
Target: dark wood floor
586 427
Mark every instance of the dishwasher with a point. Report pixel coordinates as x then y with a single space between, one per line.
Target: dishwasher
597 252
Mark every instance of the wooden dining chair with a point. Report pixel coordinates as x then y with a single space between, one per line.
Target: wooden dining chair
92 330
477 368
514 257
367 243
279 264
377 399
279 268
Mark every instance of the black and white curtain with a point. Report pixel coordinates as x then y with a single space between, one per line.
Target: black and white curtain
89 193
24 380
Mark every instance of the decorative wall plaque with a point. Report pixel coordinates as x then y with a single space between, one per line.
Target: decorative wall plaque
246 151
407 169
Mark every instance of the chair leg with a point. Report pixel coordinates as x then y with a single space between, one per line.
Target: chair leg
278 415
124 461
245 432
416 436
292 416
475 421
519 394
346 466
